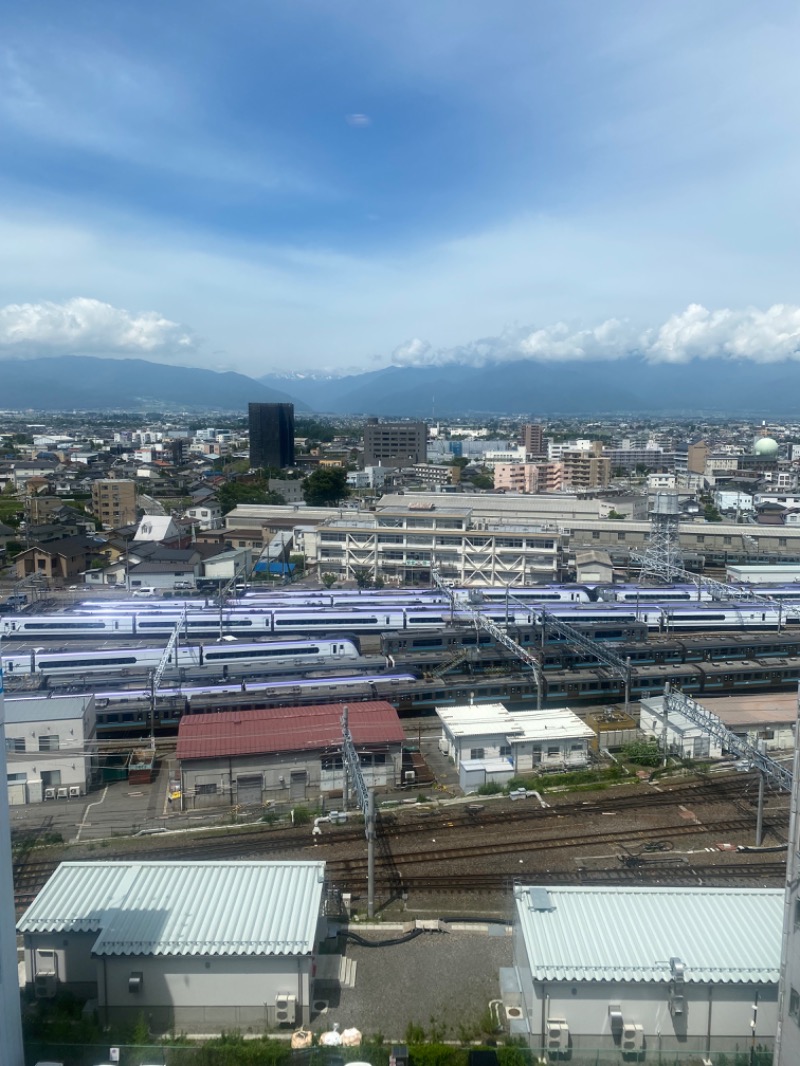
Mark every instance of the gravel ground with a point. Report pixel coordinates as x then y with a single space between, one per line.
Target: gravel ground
450 977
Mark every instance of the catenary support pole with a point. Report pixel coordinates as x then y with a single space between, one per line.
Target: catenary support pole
370 813
11 1052
760 815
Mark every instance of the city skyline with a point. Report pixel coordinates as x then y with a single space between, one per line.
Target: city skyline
306 187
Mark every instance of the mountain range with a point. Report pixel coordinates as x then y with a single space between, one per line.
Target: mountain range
623 386
83 383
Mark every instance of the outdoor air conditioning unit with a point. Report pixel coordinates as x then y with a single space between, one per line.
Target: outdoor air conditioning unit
410 776
45 985
632 1039
557 1036
285 1009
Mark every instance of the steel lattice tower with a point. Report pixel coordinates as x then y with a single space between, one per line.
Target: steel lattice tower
663 551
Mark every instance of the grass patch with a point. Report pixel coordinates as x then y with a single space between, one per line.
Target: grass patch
574 779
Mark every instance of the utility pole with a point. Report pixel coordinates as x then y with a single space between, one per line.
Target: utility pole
10 1012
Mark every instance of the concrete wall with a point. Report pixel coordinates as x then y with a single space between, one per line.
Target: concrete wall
276 772
72 960
202 994
717 1017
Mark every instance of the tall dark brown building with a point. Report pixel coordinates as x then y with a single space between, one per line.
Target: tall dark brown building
271 434
395 443
533 438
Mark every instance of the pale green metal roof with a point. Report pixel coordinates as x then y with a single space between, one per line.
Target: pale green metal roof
183 908
631 934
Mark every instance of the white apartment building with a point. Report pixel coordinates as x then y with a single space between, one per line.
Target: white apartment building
727 500
371 477
206 515
402 543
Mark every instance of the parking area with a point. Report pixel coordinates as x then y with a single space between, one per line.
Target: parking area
118 808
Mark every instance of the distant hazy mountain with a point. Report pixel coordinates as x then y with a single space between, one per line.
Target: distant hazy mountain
713 386
68 383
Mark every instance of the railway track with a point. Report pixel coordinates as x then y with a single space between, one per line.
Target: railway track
676 874
533 830
523 845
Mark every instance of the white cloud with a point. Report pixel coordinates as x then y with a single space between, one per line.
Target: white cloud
770 336
358 120
83 326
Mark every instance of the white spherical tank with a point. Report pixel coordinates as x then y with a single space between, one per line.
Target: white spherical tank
766 446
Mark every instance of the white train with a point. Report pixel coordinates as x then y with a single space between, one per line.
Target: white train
214 658
243 623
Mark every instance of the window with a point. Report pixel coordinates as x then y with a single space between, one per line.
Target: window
48 743
781 542
15 743
794 1005
727 540
553 751
476 753
331 762
796 913
209 789
505 751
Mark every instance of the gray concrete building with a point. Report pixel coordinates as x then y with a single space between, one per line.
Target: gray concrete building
192 946
395 443
634 974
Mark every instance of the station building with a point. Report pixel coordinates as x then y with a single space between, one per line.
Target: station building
631 974
197 946
490 744
284 754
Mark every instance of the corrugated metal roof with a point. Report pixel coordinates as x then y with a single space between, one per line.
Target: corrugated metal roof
266 730
183 908
630 934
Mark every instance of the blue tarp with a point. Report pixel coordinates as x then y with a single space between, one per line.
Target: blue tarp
275 568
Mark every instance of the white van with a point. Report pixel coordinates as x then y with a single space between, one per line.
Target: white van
146 592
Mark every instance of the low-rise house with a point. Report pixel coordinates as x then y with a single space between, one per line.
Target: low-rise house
58 560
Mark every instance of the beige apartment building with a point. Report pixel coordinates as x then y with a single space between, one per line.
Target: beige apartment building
586 468
114 502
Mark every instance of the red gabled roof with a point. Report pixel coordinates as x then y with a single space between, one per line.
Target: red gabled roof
274 729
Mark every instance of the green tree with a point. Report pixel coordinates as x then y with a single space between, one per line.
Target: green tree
326 486
363 578
251 491
328 580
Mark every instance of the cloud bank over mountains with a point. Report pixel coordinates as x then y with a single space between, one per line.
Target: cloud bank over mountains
771 336
83 326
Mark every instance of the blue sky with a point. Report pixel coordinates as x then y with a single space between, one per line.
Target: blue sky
335 183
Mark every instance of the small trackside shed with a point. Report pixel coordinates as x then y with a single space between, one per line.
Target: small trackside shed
284 754
197 946
631 973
